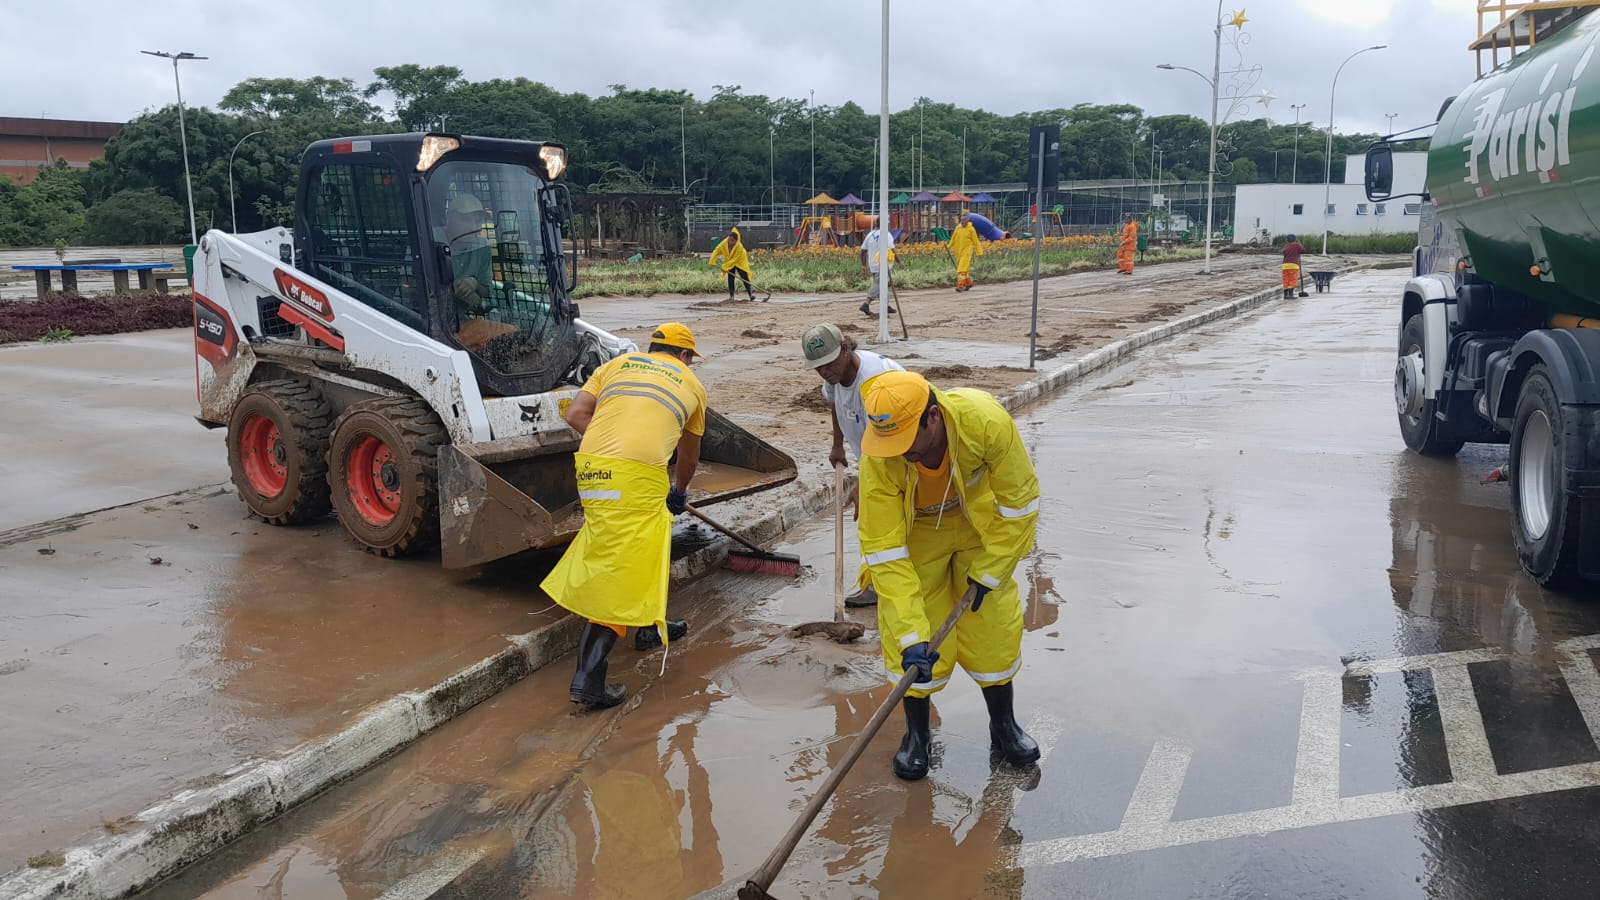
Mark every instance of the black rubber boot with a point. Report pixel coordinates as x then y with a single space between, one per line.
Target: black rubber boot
589 685
867 596
1288 293
1005 735
647 638
911 760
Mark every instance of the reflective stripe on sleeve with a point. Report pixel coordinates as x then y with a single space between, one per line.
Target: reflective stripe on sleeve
1030 509
888 556
989 581
976 475
599 495
908 640
894 678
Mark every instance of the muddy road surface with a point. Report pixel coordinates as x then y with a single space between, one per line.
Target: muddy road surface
1268 653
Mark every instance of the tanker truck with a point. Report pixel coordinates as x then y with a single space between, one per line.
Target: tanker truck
1499 327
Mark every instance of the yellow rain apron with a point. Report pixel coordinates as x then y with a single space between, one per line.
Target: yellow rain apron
617 569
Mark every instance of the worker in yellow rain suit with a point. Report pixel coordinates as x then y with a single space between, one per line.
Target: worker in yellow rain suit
633 413
964 245
948 499
735 261
1129 245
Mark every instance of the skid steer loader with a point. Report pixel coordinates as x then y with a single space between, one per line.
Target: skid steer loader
406 354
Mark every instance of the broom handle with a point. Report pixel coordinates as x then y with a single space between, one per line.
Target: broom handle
709 521
838 542
763 877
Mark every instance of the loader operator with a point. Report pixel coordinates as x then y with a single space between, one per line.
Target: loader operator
948 500
633 413
470 255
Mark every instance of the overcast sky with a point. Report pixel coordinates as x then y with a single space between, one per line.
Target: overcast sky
79 59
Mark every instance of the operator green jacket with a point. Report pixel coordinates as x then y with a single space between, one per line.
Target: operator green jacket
999 493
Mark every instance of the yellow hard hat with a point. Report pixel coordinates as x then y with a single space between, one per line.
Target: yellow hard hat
894 402
675 334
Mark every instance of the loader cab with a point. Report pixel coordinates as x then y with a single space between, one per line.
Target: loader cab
454 236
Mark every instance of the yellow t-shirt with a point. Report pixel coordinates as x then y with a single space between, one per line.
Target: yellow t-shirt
936 491
644 403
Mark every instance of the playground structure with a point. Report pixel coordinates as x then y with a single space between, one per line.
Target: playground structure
1084 207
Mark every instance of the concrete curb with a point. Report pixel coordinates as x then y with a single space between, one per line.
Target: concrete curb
195 823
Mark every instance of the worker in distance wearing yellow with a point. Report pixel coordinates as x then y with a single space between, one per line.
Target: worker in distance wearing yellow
964 244
633 413
948 499
735 261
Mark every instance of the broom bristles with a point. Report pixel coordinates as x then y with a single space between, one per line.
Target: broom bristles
765 564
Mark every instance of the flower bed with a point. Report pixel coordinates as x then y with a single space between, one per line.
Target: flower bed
64 316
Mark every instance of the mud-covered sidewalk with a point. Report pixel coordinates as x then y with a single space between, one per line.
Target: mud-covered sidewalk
153 637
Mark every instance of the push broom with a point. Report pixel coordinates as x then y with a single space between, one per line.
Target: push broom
841 630
753 558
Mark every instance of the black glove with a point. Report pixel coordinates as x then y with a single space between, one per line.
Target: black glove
677 501
979 591
920 656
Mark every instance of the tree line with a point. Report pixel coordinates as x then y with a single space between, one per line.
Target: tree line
731 148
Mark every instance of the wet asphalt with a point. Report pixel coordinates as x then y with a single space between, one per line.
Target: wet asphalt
1269 654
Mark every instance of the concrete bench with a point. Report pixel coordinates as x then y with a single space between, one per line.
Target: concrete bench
69 275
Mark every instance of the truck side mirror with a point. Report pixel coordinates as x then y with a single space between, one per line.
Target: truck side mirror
1380 172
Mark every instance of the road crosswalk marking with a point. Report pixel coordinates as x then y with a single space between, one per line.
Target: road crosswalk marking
1147 824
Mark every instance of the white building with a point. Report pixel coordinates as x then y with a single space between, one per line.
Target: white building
1296 209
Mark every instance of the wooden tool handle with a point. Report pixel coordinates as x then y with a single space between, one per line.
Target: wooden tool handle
838 542
709 521
763 877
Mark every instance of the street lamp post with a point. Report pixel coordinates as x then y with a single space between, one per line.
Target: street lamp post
811 107
1327 173
183 134
683 148
1294 170
1211 168
233 210
1391 117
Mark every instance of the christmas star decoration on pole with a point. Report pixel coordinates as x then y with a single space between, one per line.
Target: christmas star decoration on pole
1238 19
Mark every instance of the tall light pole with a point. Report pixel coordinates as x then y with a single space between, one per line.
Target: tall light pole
233 210
885 233
683 149
1391 117
183 134
1294 170
1211 168
811 107
1327 173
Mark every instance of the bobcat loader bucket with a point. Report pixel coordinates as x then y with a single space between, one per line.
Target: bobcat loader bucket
503 497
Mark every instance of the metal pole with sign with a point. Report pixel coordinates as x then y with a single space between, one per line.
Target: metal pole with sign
1038 246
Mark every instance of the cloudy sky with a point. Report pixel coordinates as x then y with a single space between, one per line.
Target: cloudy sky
80 60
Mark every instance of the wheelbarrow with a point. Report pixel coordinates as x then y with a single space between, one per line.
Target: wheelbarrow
1322 280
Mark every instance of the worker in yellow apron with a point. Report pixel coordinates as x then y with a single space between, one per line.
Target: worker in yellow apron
948 500
633 413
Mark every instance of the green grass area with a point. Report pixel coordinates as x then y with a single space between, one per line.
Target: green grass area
838 270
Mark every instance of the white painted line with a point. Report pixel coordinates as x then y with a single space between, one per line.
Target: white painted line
1429 661
1464 739
1582 679
1316 761
1156 795
1348 809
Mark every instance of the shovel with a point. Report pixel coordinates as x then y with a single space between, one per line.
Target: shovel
840 629
755 887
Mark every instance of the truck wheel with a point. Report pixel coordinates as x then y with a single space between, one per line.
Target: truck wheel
277 451
1418 426
383 470
1544 518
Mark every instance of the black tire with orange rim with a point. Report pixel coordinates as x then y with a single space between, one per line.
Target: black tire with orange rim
383 467
277 451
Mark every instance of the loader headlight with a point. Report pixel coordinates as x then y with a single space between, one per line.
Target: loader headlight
433 147
554 159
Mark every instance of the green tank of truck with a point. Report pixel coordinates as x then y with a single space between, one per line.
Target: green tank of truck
1499 327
